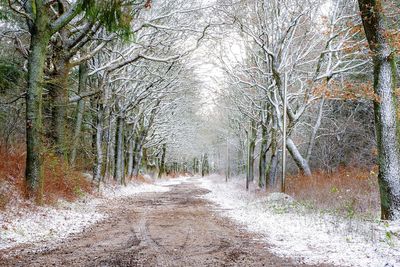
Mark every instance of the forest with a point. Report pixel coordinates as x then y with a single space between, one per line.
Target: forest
280 116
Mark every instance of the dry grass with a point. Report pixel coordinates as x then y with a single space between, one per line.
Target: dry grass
348 191
12 168
60 181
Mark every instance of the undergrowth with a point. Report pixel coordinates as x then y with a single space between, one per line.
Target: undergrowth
12 168
349 191
60 180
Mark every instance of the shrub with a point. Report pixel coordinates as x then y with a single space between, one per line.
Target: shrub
60 180
349 190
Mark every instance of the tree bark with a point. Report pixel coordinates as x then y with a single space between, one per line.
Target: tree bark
263 158
205 167
315 129
195 165
252 134
110 136
119 151
301 162
145 160
162 162
97 173
273 163
385 107
228 162
58 93
130 156
40 37
139 151
83 71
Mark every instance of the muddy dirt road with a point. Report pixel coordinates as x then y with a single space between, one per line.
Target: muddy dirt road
176 228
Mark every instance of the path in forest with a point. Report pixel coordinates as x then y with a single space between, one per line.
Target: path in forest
176 228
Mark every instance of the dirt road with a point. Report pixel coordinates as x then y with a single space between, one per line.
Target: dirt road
176 228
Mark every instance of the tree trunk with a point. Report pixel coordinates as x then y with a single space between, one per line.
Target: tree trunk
195 166
93 118
241 162
315 129
385 107
34 124
252 134
263 158
83 71
162 163
228 162
301 162
273 164
98 168
58 93
138 154
145 160
273 169
110 136
205 167
138 160
135 153
119 151
130 156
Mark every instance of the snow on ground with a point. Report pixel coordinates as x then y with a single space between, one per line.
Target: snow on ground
132 189
307 236
47 223
51 223
174 181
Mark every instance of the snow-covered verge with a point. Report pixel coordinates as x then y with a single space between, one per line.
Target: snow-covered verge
132 189
306 236
41 225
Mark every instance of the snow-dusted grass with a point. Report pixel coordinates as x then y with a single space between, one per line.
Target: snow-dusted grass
294 231
42 225
47 223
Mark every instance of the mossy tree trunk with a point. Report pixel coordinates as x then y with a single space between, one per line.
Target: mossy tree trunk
41 28
272 168
205 166
141 136
58 92
263 162
110 136
195 166
131 148
80 107
40 36
263 157
162 161
385 107
119 150
252 134
98 162
145 159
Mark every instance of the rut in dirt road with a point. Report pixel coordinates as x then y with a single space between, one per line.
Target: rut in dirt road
176 228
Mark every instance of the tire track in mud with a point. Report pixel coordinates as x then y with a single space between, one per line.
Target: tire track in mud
175 228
